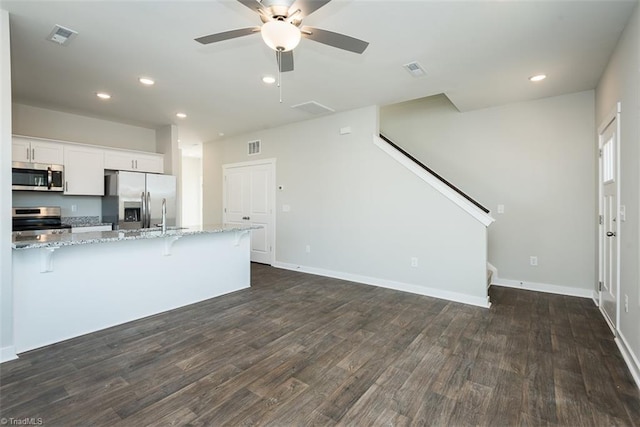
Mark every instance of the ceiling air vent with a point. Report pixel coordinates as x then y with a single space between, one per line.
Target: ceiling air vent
313 107
253 147
415 69
61 35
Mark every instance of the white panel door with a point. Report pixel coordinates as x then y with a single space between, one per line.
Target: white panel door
236 190
259 210
249 199
609 223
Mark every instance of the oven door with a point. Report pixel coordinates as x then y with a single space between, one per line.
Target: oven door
36 177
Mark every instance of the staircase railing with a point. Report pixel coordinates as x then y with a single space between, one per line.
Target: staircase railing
436 175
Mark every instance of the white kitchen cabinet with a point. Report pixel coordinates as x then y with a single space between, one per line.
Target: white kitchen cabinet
36 151
83 170
133 161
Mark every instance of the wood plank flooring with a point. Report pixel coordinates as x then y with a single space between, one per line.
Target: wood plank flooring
298 350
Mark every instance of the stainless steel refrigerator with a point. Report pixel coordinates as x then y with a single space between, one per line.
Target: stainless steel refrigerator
133 200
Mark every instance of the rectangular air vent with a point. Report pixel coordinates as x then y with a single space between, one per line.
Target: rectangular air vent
253 147
415 69
313 107
61 35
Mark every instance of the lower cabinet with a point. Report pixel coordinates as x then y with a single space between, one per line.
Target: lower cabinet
83 171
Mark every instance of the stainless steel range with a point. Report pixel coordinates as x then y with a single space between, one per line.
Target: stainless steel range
40 223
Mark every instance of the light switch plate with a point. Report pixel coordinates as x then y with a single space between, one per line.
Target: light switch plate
500 209
286 208
623 213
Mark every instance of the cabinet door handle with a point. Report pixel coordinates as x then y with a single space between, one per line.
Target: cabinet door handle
136 164
28 154
66 186
33 154
132 165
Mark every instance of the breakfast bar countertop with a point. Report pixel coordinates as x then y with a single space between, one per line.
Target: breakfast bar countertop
69 239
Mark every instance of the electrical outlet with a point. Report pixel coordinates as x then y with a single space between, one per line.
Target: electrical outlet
533 260
74 208
286 208
414 262
500 209
307 249
626 303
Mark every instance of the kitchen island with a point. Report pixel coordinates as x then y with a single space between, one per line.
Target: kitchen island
73 284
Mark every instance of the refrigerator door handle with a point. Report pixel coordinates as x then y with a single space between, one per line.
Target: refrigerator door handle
143 208
148 209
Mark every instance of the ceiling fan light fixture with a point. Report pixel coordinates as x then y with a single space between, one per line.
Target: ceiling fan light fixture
280 35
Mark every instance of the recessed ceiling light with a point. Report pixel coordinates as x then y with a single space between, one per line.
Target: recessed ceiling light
181 115
220 133
146 81
103 95
538 77
269 80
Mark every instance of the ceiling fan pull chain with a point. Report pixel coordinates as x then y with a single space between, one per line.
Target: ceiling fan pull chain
280 73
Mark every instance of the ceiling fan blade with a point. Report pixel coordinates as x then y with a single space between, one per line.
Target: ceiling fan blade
285 61
212 38
307 7
335 39
253 5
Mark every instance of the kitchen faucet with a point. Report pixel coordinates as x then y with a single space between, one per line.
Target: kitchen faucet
163 224
164 216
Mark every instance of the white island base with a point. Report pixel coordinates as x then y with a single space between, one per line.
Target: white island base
64 292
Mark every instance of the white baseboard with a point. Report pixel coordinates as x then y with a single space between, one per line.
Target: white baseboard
543 287
389 284
7 353
629 357
596 298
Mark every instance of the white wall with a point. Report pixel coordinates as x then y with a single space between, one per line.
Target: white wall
363 215
212 154
537 159
621 82
6 288
53 124
191 191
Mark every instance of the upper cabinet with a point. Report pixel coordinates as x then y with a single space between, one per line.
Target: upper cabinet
84 165
133 161
36 151
83 170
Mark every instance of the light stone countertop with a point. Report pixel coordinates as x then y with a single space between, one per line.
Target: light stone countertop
83 221
69 239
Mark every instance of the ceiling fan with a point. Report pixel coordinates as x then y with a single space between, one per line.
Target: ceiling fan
281 29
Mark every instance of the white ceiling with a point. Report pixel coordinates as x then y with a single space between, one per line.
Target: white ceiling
479 53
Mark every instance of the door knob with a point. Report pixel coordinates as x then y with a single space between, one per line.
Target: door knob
610 234
245 217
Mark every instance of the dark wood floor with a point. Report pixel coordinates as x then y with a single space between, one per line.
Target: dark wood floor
297 350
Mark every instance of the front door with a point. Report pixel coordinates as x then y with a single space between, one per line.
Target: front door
609 222
248 195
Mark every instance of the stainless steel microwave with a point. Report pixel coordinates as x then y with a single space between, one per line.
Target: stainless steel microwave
37 177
